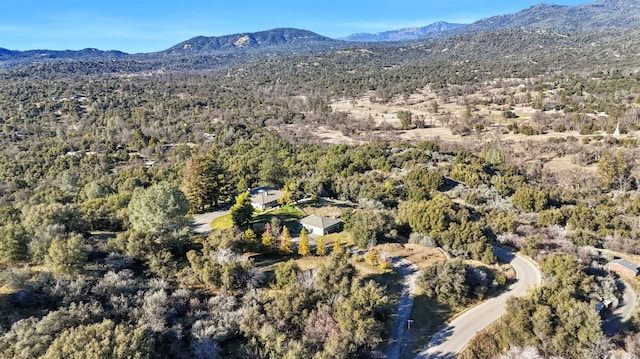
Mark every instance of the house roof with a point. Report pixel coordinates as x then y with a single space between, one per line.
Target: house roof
264 195
625 263
319 222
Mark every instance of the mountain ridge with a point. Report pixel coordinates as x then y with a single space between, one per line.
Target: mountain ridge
599 15
594 16
404 34
249 40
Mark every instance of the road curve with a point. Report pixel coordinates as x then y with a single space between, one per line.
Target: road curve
449 341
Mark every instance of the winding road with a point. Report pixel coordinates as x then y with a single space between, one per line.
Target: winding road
449 341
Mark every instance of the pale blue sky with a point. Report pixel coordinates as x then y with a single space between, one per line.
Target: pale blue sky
144 26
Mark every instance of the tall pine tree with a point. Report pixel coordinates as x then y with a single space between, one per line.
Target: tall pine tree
204 181
268 239
251 240
612 171
286 244
321 249
242 210
337 245
303 246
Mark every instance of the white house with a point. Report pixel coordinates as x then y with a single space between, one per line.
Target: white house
320 226
264 197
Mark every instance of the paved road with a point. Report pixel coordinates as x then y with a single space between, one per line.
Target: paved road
202 222
452 339
409 272
624 312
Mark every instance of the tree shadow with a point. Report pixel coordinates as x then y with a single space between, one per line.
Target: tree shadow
440 355
429 317
391 280
612 325
448 185
404 267
612 322
441 336
504 255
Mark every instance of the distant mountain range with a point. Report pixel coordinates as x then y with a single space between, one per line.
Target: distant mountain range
64 54
598 15
406 34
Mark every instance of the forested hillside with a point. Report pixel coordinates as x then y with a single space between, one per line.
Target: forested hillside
442 147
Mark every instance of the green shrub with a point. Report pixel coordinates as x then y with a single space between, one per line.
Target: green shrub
286 274
551 217
67 256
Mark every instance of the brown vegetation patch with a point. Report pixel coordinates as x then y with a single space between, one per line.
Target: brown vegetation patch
325 207
335 137
421 256
562 164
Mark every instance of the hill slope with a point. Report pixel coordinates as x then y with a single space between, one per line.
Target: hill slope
595 16
405 34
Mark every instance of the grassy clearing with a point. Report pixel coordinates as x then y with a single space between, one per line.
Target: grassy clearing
311 262
223 222
345 238
286 214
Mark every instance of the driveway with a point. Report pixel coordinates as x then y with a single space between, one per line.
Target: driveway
613 324
202 222
453 338
408 272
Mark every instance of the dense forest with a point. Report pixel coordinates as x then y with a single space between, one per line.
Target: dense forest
105 163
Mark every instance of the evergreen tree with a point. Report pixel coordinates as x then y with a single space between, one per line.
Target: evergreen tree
405 119
286 274
13 243
445 282
321 249
372 257
159 208
289 193
251 240
268 239
366 225
66 256
204 181
613 171
303 246
286 244
606 170
337 245
242 210
420 182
